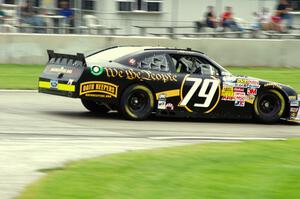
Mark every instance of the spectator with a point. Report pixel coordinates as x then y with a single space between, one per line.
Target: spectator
276 22
283 9
211 19
67 12
2 13
29 16
228 20
262 19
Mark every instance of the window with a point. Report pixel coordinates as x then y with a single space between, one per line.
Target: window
193 65
154 62
88 4
295 4
153 6
9 2
125 5
139 5
85 4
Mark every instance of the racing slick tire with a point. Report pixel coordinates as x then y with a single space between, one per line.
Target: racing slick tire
137 102
269 106
94 107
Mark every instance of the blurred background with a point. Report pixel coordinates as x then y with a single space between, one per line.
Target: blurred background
265 29
130 17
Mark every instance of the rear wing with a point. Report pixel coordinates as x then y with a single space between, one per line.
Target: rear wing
66 59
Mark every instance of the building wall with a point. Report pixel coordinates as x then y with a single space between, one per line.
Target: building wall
177 12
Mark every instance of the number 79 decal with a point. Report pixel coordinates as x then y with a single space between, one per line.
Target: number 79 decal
207 91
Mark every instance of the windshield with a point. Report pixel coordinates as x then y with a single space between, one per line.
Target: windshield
112 54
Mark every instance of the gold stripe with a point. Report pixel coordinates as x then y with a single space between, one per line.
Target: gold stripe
169 93
181 98
61 87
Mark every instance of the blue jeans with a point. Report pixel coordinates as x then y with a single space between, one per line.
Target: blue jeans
34 21
289 18
232 25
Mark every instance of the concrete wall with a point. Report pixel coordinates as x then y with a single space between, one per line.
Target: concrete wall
31 49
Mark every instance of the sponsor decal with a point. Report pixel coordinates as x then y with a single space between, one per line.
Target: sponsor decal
228 84
251 91
292 97
92 89
273 85
242 81
239 96
61 70
162 100
250 97
294 103
97 70
169 93
227 91
293 115
229 79
142 75
228 98
240 85
70 82
294 110
170 106
239 103
238 89
253 83
132 61
53 84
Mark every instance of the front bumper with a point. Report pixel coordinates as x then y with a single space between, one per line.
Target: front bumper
294 110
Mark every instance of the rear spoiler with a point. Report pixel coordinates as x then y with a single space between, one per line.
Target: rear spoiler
65 59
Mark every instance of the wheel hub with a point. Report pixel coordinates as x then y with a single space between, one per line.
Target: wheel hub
268 104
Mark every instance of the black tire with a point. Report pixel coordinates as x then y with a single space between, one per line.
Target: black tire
269 106
94 106
137 102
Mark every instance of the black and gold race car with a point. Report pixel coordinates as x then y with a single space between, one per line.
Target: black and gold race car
140 81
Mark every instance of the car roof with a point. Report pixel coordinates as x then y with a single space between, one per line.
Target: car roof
132 49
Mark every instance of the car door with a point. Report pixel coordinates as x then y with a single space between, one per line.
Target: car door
200 89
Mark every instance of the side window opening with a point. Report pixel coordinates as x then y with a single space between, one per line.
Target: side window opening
193 65
154 62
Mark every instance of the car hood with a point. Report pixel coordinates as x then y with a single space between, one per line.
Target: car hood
259 83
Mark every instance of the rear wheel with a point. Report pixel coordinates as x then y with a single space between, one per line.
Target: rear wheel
137 102
94 106
269 106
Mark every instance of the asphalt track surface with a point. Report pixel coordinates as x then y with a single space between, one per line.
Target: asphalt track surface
39 131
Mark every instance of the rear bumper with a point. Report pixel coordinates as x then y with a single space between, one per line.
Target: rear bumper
57 88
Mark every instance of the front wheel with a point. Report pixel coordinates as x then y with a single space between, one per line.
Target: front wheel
269 106
137 102
94 106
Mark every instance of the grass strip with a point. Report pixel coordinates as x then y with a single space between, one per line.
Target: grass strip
242 170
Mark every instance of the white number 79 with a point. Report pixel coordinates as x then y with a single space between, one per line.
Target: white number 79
202 93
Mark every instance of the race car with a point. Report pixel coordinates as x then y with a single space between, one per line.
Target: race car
141 81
